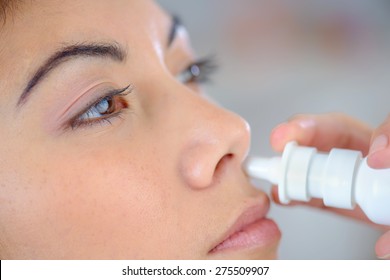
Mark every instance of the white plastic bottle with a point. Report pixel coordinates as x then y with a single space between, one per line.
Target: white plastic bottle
341 178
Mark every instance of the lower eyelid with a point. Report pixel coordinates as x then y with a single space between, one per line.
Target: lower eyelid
98 122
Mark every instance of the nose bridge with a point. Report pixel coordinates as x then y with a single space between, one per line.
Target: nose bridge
212 133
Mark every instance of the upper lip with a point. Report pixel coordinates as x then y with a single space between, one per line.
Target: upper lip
248 216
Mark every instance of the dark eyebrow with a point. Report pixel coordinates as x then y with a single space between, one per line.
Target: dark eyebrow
109 50
176 24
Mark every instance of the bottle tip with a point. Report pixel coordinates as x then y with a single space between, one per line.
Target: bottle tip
263 168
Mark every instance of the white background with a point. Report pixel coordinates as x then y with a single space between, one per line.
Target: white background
65 270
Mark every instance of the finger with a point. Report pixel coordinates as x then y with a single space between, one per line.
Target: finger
382 247
379 155
324 132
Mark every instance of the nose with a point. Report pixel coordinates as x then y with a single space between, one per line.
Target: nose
216 141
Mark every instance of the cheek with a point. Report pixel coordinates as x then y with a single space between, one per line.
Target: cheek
113 202
105 204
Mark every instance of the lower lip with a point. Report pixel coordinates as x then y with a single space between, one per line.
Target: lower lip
260 233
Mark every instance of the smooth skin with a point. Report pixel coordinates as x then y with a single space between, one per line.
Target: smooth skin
337 130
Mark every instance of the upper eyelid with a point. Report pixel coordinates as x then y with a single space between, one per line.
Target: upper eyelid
110 93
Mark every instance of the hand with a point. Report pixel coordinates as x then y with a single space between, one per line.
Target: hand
338 131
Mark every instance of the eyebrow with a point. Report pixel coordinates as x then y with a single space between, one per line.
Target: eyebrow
109 50
112 51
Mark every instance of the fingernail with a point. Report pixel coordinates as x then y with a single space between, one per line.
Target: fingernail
306 123
380 143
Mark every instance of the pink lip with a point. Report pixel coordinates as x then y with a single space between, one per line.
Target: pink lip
251 229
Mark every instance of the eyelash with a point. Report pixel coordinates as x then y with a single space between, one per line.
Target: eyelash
198 72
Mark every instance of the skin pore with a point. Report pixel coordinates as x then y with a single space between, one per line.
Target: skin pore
105 152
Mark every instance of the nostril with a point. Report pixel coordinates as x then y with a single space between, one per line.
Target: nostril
221 166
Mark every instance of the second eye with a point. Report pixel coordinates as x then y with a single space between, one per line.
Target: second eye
198 72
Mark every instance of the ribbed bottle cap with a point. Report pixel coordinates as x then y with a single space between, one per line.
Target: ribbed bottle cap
297 174
338 178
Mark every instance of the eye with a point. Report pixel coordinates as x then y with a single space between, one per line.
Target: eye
198 72
103 110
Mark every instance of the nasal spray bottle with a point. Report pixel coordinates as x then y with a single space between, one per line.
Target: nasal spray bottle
341 178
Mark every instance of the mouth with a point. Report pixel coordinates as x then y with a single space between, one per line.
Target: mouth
250 230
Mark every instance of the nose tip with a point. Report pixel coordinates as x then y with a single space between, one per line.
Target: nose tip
219 148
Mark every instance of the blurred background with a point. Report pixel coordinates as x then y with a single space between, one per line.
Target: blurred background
278 58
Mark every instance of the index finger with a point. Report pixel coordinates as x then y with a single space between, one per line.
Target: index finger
326 131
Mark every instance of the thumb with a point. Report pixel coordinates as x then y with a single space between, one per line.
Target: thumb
379 154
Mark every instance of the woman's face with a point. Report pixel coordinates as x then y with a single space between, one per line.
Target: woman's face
108 148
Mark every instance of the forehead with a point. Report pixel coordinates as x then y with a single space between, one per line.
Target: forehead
50 20
39 27
58 11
